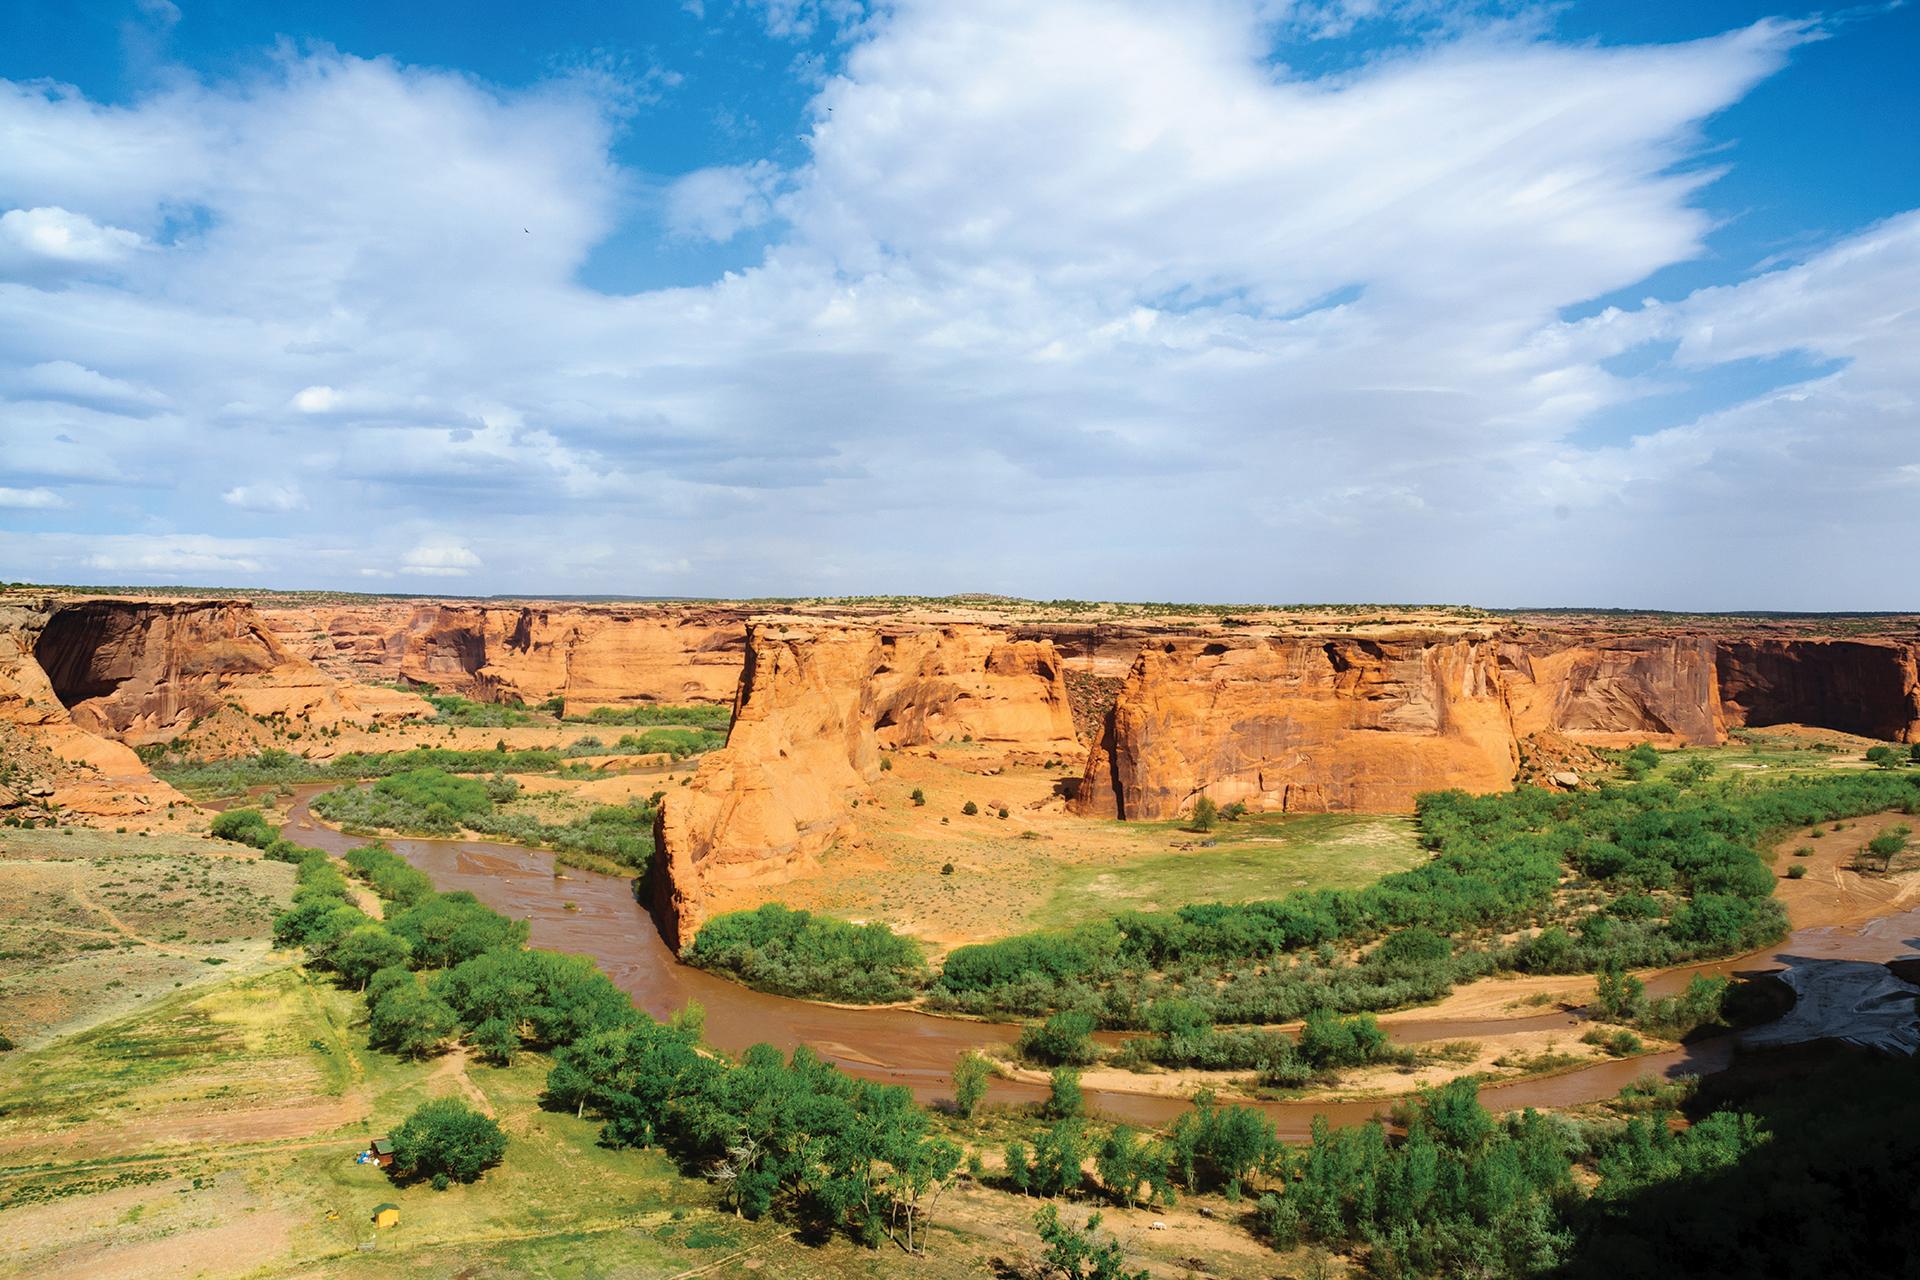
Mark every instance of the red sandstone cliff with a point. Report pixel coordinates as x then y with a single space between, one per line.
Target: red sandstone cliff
144 670
1615 690
51 764
588 655
1869 687
817 701
1291 724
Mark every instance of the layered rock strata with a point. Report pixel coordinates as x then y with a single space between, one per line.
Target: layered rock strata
1301 726
817 701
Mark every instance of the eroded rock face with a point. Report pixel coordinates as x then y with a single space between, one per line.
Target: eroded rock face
142 671
1303 726
1868 687
1615 691
46 753
817 702
588 655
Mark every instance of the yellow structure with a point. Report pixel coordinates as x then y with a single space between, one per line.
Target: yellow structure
386 1215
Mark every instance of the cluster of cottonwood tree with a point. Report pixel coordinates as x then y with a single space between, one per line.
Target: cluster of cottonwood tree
1674 871
788 1134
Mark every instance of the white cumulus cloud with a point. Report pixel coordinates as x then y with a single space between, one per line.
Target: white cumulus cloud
1064 299
265 496
55 237
440 557
38 498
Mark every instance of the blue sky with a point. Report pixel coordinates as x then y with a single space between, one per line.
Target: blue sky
1240 299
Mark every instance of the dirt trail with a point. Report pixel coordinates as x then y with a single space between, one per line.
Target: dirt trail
453 1067
121 927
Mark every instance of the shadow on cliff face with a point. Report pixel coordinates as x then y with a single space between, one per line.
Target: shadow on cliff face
1831 1192
67 647
1855 686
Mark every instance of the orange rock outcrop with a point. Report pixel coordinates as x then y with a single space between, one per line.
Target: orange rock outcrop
144 670
51 763
1868 686
1616 690
1279 717
1301 726
588 655
817 701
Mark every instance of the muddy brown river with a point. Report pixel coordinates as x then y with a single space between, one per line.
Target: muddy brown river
1838 973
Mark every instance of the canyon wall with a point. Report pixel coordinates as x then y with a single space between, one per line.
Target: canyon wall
1301 726
588 655
1615 690
143 671
49 764
1869 687
1278 718
817 701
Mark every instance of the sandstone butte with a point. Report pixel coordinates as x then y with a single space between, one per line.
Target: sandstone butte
1282 710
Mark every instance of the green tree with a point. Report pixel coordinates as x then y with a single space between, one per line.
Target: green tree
1080 1253
1205 814
1641 761
316 921
1329 1040
1066 1037
365 951
245 826
448 928
1619 995
1888 845
1058 1156
1064 1096
1693 771
1884 756
971 1072
410 1020
446 1136
922 1168
1126 1162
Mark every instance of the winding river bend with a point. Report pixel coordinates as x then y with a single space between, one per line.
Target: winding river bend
1838 973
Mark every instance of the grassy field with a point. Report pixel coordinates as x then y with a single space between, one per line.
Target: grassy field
215 1132
947 877
213 1135
1260 856
92 923
1774 753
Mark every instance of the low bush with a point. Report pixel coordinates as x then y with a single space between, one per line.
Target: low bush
244 826
797 953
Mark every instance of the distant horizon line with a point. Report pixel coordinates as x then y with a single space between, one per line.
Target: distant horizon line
953 598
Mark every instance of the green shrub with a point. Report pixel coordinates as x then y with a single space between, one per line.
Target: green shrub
1065 1038
447 1137
797 953
1065 1100
243 826
1329 1040
1205 814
